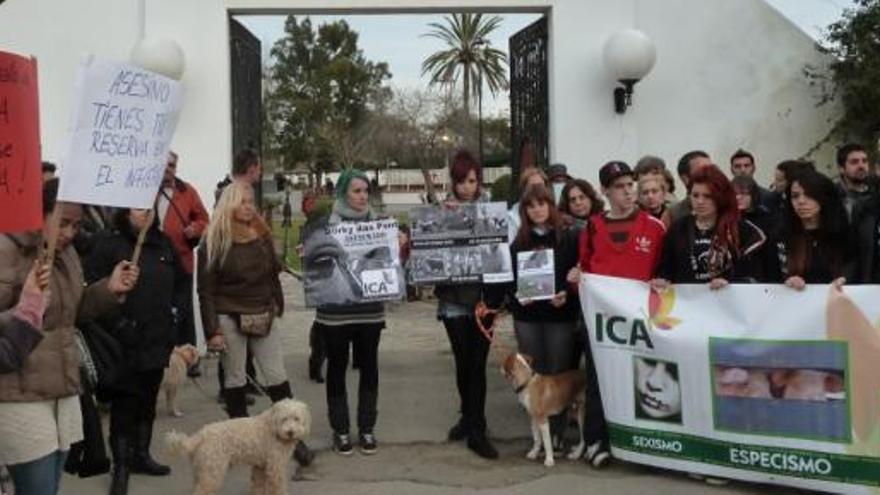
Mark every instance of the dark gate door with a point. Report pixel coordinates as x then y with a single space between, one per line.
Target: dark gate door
247 83
529 122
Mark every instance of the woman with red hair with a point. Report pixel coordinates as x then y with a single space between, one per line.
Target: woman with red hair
456 305
713 244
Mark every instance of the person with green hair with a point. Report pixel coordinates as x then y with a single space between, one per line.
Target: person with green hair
358 326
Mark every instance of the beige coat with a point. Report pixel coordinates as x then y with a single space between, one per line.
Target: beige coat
52 369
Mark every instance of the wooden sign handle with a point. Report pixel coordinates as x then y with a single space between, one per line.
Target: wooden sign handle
48 256
151 216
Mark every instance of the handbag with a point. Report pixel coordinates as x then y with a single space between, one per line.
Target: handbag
108 364
256 324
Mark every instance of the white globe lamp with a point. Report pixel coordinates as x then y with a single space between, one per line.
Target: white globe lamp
160 55
629 55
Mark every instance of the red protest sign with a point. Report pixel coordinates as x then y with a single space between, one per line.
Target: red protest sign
20 171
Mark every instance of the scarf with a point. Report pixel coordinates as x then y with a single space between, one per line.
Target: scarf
343 212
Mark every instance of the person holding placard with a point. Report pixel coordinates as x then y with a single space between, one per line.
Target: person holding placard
148 346
455 308
39 405
356 325
545 328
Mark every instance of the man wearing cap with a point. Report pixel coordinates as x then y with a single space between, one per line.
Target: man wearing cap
558 176
624 242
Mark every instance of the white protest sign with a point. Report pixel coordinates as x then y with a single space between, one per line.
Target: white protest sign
123 121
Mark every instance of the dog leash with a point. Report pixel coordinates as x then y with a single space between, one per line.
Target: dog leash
481 311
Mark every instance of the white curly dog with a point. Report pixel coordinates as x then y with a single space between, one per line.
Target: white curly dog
265 442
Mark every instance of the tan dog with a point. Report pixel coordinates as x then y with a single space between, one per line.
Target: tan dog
265 442
544 396
182 358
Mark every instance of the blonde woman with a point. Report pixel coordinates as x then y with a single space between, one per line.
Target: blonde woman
652 197
240 296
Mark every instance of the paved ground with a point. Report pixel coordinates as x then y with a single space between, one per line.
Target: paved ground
417 406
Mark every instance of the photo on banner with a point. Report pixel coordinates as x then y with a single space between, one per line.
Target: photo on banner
657 390
121 129
352 263
465 243
793 389
20 172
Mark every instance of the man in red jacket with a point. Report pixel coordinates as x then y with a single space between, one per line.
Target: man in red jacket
183 218
622 242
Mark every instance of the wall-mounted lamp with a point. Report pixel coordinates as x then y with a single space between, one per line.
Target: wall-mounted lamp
629 55
160 55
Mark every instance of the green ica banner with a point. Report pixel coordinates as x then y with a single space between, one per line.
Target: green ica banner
753 382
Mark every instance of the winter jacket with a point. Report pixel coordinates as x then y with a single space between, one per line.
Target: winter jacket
160 288
184 208
245 283
564 259
637 259
51 371
678 259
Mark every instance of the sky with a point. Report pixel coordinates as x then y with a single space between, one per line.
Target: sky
398 40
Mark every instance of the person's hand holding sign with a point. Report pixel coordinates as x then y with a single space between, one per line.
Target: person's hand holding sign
123 279
559 299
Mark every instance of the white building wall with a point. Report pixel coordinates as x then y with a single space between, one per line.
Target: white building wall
728 73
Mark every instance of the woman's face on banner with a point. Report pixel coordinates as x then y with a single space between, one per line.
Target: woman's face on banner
659 393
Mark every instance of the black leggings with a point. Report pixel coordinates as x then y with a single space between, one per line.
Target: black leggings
470 349
135 404
364 341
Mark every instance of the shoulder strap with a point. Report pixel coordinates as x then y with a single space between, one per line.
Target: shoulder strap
175 208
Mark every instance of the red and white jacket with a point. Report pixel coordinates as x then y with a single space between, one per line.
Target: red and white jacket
637 259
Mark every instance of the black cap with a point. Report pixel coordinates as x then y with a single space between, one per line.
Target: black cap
557 170
611 171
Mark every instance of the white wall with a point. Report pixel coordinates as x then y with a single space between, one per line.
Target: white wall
728 73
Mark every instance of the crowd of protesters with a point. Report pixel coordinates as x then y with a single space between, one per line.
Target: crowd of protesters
805 228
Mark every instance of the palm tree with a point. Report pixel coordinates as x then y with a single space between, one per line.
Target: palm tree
468 55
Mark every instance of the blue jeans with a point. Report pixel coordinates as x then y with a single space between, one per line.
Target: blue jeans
39 477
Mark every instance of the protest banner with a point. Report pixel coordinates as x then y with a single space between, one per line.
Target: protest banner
351 263
754 382
535 276
20 171
466 243
123 121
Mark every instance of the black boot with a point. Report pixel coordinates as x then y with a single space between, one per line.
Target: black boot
279 392
302 454
236 402
479 443
141 460
315 373
119 447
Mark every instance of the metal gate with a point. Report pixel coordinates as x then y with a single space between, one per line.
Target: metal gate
529 109
247 88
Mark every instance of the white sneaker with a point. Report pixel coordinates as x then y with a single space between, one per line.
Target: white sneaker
597 456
